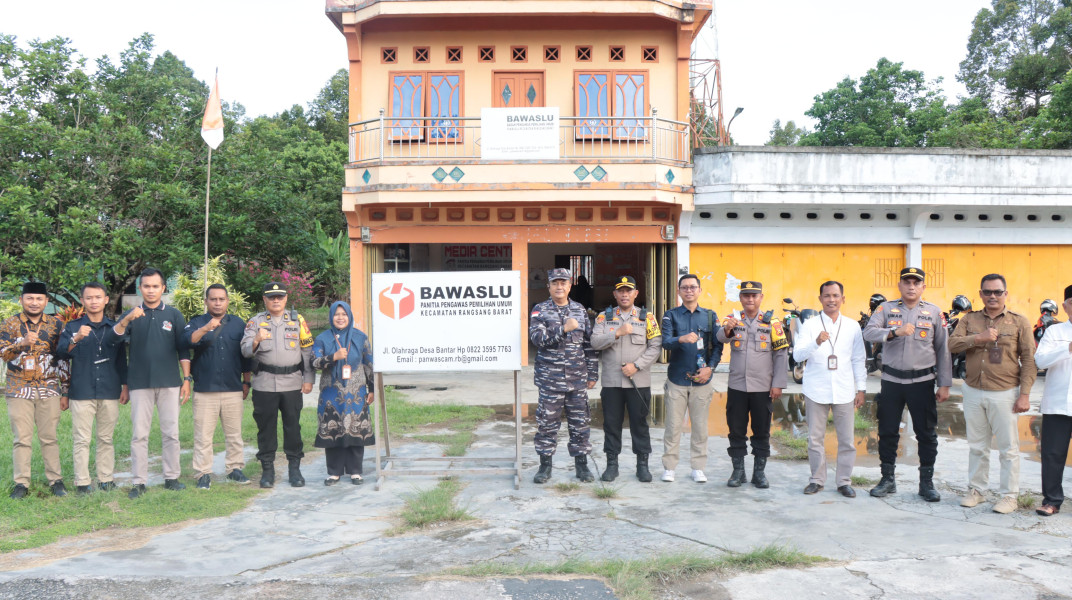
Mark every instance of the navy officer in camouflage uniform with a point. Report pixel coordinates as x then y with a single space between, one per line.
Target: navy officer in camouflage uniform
566 368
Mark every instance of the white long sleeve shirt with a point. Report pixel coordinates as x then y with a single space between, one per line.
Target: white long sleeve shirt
1054 356
821 385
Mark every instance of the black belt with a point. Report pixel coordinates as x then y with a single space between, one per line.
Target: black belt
274 370
908 374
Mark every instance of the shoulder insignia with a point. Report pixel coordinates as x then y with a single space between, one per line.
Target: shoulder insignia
879 309
601 318
895 310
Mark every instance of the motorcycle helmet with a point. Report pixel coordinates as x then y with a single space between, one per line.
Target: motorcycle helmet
876 299
808 313
961 304
1048 307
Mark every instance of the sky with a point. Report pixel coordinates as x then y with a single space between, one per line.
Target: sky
776 55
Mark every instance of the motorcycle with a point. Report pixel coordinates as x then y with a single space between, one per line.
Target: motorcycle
874 351
1048 318
791 322
961 305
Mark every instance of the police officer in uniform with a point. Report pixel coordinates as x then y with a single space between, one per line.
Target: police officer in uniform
915 357
759 362
281 346
566 368
630 341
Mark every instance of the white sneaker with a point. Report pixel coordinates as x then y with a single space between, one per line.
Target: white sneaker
668 475
698 476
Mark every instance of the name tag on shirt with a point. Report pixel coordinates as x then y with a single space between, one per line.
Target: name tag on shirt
102 360
167 326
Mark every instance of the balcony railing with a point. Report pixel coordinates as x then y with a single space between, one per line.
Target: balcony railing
392 139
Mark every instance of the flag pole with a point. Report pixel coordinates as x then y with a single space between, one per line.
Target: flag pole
208 183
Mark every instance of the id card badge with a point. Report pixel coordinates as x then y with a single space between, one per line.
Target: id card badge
994 355
346 371
737 315
28 363
699 343
831 362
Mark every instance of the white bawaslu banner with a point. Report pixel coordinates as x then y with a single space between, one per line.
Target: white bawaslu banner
519 133
460 321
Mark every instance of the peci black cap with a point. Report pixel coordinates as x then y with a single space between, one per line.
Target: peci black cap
625 281
274 288
1068 292
34 287
913 272
751 287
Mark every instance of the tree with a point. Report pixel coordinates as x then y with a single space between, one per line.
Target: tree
789 135
889 106
330 112
1017 53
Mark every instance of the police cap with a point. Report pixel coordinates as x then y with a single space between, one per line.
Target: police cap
751 287
625 281
274 288
913 272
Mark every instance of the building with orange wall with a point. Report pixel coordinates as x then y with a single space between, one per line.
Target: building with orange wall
418 196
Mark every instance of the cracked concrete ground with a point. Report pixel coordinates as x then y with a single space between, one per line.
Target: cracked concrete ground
332 542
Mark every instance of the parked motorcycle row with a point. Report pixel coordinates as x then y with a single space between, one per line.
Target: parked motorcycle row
795 316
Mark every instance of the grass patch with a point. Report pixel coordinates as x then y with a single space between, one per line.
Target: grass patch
640 579
408 417
42 519
1026 501
792 447
861 481
432 506
567 487
605 492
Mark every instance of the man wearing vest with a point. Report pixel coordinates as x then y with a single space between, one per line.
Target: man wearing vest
759 363
630 341
281 347
915 360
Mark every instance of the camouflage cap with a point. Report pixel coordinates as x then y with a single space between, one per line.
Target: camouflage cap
554 274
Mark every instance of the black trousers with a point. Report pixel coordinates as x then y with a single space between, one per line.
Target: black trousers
615 402
267 406
1054 440
344 460
919 398
740 406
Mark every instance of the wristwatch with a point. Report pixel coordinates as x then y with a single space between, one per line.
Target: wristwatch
189 378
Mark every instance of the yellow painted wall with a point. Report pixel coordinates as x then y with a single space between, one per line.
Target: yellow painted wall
794 271
1034 273
558 79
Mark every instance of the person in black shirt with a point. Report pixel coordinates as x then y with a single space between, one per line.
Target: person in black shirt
221 381
98 360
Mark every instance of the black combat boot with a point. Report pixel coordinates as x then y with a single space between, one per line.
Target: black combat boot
267 474
545 469
611 472
926 485
887 485
759 479
294 469
738 475
580 466
642 472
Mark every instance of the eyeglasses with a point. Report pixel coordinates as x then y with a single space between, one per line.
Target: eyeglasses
689 288
991 292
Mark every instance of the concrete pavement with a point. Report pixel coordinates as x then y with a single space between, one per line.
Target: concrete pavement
332 542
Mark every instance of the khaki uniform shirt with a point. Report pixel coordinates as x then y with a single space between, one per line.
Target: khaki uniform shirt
291 343
1015 341
642 347
926 348
753 366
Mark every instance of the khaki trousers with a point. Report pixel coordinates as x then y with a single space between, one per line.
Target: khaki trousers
844 422
24 415
142 403
697 400
210 407
83 413
988 416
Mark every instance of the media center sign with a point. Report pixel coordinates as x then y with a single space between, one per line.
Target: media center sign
519 133
461 321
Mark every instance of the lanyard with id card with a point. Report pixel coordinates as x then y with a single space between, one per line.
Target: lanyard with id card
993 353
346 369
831 361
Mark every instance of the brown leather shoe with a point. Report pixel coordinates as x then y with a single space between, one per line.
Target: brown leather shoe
847 491
813 488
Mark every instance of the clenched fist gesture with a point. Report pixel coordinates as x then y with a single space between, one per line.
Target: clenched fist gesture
905 330
570 325
990 335
625 329
823 336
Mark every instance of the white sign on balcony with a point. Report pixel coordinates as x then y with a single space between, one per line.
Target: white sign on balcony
519 133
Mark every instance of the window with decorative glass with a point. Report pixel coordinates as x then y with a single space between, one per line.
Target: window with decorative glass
425 106
611 105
